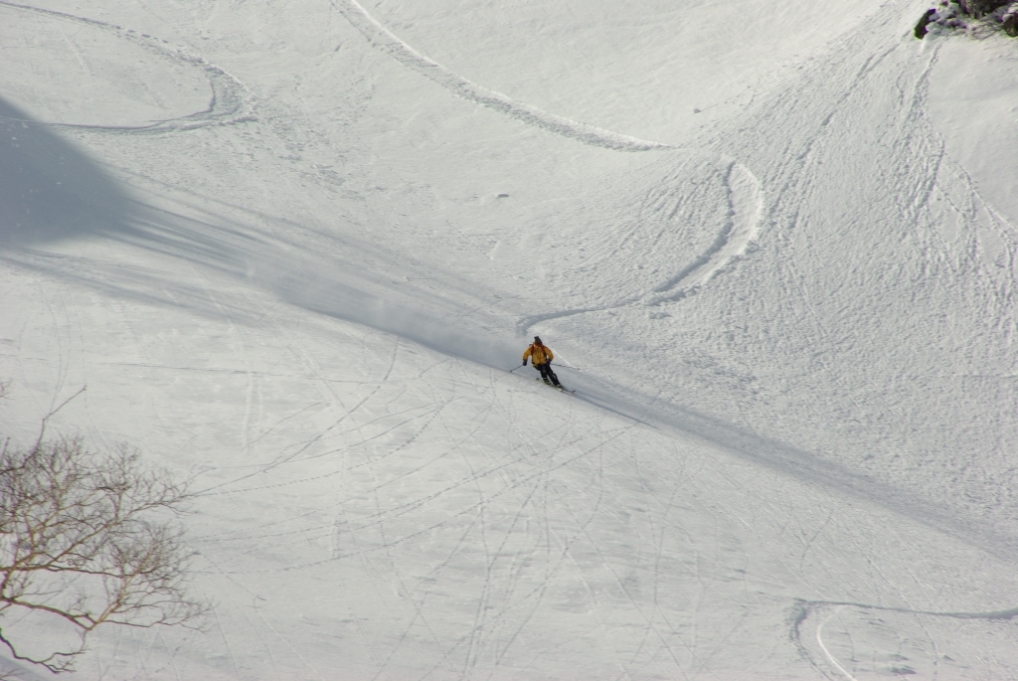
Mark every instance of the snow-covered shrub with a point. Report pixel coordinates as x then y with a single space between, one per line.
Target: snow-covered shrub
1009 20
979 8
977 16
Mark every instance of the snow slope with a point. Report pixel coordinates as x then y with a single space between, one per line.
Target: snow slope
292 249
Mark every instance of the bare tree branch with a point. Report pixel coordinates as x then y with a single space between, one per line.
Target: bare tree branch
88 540
47 417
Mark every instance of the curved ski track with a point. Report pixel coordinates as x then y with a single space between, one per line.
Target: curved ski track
230 102
384 40
745 194
805 610
745 207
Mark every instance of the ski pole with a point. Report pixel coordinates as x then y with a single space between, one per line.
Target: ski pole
566 366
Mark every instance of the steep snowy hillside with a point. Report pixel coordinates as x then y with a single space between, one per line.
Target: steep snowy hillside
293 250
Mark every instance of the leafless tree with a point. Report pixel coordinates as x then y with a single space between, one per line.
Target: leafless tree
87 540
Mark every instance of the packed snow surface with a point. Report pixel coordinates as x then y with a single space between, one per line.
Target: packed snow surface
292 250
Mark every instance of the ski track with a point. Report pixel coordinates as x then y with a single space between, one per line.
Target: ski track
745 201
384 40
744 190
231 102
807 610
820 642
746 205
745 209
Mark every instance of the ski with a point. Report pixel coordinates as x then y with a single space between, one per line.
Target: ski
561 388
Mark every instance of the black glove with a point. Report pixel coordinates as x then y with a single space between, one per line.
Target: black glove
524 363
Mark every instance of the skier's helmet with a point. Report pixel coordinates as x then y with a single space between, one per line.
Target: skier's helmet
537 340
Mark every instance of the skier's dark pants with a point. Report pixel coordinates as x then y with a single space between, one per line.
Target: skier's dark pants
546 373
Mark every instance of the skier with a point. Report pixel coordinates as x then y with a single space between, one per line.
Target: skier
542 356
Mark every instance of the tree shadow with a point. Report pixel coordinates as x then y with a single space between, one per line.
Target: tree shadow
49 190
52 192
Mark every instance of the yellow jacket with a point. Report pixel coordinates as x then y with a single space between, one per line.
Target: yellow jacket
542 354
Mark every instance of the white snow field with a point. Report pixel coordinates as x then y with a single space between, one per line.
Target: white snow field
292 248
